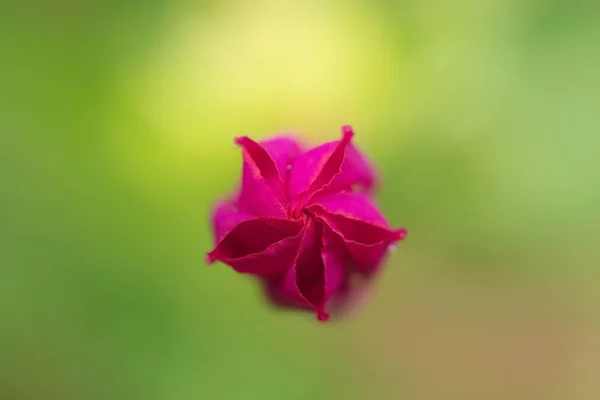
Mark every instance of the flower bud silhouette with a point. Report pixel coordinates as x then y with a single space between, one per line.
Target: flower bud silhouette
304 222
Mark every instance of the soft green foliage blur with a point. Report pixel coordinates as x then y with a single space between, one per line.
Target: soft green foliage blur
116 127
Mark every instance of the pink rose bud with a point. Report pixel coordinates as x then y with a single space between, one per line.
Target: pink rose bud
303 222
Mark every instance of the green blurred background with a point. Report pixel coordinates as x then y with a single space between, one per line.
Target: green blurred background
116 126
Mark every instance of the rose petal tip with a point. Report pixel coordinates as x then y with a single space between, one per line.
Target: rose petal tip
209 260
241 140
401 233
322 316
347 132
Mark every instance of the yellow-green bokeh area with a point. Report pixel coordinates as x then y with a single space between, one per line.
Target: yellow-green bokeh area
116 127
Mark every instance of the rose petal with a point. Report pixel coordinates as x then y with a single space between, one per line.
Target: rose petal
331 167
288 288
262 191
309 269
277 258
282 290
316 168
355 219
354 206
283 150
303 284
226 215
356 170
317 274
333 255
261 246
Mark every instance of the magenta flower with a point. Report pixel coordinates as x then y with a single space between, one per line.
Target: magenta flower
303 221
